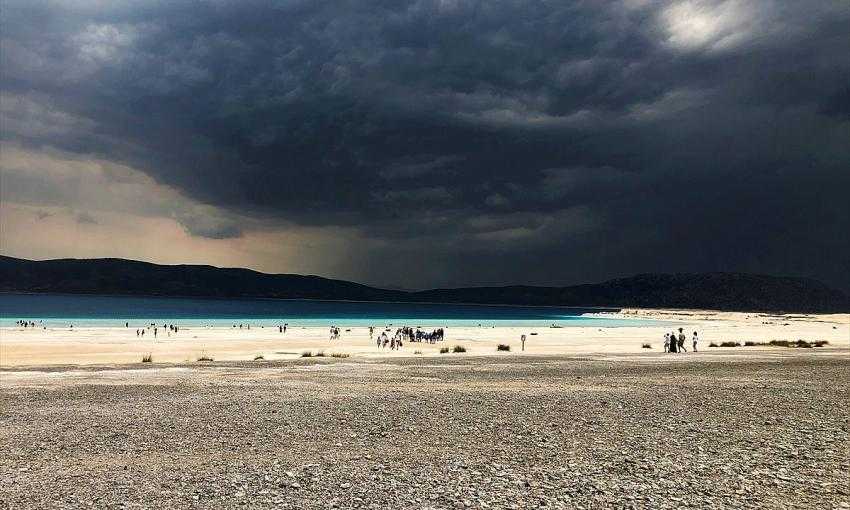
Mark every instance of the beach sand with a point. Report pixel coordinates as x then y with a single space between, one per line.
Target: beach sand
104 345
765 429
585 417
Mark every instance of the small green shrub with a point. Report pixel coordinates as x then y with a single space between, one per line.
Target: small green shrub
205 357
804 344
729 344
320 354
646 346
259 357
147 358
306 354
821 343
339 355
459 348
417 352
780 343
712 344
444 350
503 347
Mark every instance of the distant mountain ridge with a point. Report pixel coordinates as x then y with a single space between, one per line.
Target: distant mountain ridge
717 291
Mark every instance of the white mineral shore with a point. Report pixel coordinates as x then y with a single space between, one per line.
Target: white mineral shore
117 345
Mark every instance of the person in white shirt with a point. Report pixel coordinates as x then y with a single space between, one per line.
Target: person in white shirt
695 341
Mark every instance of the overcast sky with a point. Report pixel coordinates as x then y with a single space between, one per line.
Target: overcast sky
430 143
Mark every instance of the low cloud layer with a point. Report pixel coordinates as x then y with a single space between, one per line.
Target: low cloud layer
433 143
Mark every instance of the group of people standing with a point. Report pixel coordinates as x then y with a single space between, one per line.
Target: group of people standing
170 328
394 342
421 336
676 343
406 334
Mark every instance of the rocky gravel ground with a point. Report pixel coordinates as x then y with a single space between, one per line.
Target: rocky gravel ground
458 432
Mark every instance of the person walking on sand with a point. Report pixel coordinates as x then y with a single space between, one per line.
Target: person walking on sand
695 341
522 339
673 342
666 342
682 341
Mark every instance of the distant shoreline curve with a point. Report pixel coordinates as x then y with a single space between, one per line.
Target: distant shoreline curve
610 309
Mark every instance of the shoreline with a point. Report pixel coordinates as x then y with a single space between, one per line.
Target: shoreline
602 308
249 298
120 345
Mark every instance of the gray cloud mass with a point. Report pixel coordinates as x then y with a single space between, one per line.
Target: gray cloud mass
466 142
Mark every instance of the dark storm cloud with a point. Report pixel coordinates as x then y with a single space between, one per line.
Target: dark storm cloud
491 141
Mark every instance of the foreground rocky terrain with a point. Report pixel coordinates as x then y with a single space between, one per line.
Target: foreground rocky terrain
651 431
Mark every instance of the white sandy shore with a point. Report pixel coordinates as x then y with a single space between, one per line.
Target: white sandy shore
110 345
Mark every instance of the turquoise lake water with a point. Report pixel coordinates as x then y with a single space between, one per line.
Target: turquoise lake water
106 311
